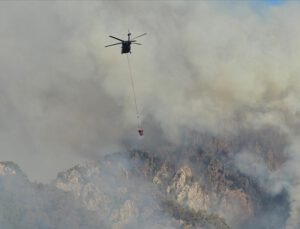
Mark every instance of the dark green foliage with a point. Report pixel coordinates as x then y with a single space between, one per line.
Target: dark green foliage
192 217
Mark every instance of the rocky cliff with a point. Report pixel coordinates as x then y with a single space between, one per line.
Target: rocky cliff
199 185
136 190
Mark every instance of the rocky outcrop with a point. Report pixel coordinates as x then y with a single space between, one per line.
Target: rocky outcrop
128 195
192 187
110 189
209 181
10 169
186 192
192 194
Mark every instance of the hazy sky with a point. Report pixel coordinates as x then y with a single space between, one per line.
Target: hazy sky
209 66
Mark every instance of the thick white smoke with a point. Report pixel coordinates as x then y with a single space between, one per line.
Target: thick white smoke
211 67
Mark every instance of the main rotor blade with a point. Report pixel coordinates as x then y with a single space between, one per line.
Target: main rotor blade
114 44
140 35
116 38
136 43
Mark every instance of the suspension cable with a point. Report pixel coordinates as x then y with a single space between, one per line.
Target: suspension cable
134 95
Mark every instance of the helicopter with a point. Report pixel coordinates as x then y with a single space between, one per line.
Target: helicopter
126 44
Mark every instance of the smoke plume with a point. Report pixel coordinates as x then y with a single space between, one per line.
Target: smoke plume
223 69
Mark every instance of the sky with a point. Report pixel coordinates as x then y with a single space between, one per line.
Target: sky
274 2
216 68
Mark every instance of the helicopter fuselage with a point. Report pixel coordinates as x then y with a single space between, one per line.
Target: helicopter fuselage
126 44
126 47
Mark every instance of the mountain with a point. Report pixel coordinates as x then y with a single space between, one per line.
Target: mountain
125 189
24 204
199 185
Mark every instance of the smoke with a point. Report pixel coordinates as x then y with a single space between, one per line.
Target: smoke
255 167
291 173
217 68
113 193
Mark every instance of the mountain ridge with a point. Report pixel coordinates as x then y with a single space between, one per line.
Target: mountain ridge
194 186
